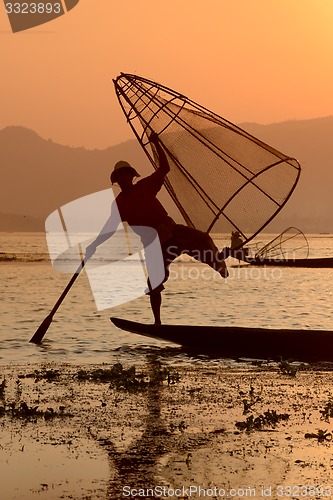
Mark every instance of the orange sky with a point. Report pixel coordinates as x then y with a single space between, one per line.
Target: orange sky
248 60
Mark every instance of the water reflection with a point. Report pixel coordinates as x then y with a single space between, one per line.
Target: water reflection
137 466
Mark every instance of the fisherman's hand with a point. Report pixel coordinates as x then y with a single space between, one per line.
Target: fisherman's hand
153 137
90 250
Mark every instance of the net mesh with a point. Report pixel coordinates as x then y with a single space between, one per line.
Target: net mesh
221 178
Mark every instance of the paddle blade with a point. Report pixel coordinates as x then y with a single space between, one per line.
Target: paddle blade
41 330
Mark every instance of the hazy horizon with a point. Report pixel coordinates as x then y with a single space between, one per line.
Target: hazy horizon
78 172
132 137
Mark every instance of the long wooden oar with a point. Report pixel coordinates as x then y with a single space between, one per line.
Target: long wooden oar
43 327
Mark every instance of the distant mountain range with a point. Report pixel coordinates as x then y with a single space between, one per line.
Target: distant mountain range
38 175
310 208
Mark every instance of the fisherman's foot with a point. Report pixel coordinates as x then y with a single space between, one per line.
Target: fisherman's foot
224 253
224 272
222 256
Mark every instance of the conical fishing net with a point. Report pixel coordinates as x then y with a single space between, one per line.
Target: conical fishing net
290 244
221 177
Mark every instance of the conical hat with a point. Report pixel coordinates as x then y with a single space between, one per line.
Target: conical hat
121 165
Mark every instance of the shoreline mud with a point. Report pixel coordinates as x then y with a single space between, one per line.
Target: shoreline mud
166 431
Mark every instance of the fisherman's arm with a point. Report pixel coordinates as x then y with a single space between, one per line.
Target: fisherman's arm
108 230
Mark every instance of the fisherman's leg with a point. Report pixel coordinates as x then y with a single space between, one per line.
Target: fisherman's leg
156 302
155 295
213 257
170 251
202 247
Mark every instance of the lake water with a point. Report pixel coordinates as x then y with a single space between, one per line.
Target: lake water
79 333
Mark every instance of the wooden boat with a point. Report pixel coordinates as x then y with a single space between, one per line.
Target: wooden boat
240 342
291 242
321 262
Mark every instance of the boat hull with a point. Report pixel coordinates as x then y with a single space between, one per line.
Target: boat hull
241 342
323 262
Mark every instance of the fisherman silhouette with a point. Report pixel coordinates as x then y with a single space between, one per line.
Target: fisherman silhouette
236 244
138 206
236 240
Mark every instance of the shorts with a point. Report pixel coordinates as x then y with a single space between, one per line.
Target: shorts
196 244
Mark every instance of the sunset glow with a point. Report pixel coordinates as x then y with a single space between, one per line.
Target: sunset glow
248 61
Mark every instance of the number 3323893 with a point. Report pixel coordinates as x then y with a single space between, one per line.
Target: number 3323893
33 8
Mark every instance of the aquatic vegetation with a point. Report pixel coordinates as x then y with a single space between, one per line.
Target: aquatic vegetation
2 388
172 378
327 412
117 376
180 427
4 257
24 411
247 406
160 373
135 430
254 398
18 387
51 413
195 390
48 375
129 379
17 408
321 435
269 418
44 374
287 369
